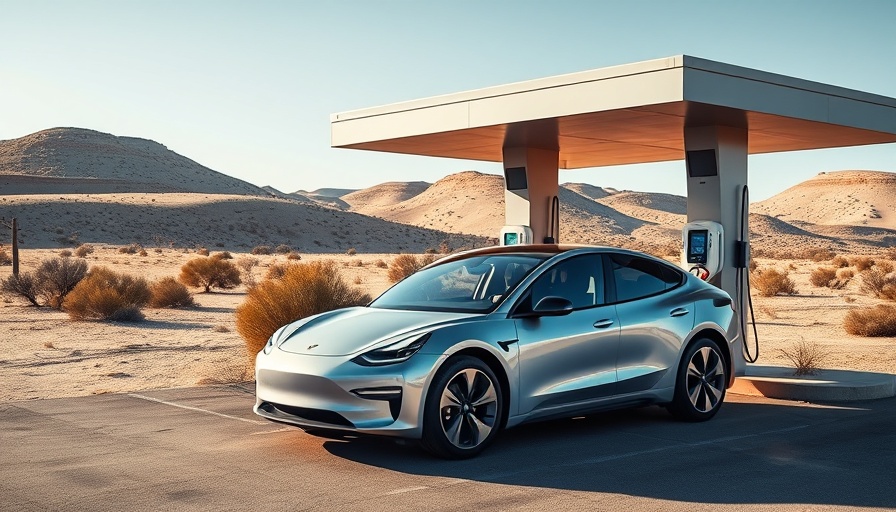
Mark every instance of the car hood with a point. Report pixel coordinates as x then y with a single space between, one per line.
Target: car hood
347 331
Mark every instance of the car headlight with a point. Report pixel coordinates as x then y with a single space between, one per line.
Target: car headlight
278 337
393 353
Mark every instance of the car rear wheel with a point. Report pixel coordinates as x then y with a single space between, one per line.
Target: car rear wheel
701 384
463 409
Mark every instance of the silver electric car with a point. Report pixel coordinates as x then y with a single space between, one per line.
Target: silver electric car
491 338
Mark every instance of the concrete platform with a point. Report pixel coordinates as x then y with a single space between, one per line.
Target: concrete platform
826 386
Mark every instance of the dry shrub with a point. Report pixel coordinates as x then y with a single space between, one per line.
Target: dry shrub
877 321
246 264
278 270
293 255
282 249
358 280
878 282
169 293
65 253
819 255
845 274
21 285
108 295
445 247
223 255
840 262
431 250
210 272
884 266
261 249
861 263
752 265
806 356
143 253
381 264
406 264
83 250
822 276
59 276
202 251
352 251
305 289
769 311
770 282
5 259
890 253
130 249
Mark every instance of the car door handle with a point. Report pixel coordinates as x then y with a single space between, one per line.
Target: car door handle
678 312
600 324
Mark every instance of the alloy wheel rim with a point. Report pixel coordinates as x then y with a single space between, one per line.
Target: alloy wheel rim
468 408
705 379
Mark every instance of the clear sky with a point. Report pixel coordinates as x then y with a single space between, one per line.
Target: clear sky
247 88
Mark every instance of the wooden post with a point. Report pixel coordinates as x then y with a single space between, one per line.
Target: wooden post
15 248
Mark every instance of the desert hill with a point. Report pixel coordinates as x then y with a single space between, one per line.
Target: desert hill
76 160
327 192
232 222
588 190
858 198
370 200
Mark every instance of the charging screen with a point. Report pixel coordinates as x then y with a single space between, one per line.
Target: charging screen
511 238
697 246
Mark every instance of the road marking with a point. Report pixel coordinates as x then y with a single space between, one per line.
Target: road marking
284 429
197 409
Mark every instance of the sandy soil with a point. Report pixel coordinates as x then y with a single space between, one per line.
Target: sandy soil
46 355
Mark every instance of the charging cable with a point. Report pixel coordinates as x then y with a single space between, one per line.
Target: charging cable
743 278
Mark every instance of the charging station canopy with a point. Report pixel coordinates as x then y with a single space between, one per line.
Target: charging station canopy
633 113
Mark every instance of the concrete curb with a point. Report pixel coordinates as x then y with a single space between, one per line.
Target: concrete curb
826 386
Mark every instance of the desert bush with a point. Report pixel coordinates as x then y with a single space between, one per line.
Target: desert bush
5 259
819 255
890 253
168 292
381 264
83 250
143 253
108 295
210 273
770 282
130 249
845 274
202 251
223 255
351 251
884 266
261 249
305 289
877 321
277 270
430 250
822 276
861 262
840 262
293 255
406 264
752 265
282 249
21 285
806 356
445 247
57 277
65 253
878 282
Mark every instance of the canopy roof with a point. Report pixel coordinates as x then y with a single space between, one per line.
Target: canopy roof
623 114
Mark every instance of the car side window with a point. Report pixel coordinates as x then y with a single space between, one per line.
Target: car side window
637 277
578 279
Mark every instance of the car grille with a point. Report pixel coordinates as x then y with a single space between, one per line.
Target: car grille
306 413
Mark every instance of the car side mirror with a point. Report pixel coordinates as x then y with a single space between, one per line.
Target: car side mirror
550 306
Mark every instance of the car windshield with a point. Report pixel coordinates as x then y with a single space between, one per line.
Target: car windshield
472 285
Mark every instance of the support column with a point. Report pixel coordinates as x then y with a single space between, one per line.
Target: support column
531 183
714 193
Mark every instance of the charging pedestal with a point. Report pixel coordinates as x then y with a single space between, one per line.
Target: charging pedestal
516 235
703 242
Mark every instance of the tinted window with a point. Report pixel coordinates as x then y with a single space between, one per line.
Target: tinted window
637 277
475 284
579 280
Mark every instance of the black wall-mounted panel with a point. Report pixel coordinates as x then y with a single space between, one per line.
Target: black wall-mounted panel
702 163
515 178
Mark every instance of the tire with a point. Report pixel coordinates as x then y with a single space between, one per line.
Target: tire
463 409
701 383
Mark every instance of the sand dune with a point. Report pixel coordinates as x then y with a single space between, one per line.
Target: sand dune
369 201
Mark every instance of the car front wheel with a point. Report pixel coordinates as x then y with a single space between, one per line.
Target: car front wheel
701 383
463 409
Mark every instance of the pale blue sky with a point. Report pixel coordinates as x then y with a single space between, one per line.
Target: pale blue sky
247 88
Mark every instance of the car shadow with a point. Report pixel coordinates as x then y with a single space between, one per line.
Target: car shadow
751 453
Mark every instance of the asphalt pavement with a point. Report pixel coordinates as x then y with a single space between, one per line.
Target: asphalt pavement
203 449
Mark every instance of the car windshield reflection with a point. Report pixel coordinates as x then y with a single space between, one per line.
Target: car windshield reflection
472 285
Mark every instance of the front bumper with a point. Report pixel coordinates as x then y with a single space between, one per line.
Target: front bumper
333 393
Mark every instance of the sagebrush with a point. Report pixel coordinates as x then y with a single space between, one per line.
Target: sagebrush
168 292
806 357
304 289
210 273
49 284
877 321
108 295
406 264
770 282
879 281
